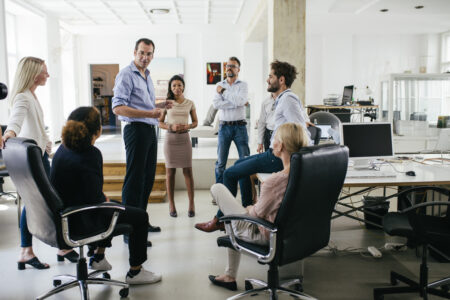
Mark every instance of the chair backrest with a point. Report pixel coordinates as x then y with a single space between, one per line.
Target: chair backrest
316 178
316 133
23 158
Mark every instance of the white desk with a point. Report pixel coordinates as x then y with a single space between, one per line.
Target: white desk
430 174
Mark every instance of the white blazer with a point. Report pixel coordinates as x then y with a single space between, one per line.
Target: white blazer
27 120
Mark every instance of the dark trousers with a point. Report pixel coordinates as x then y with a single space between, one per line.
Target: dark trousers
244 167
266 139
137 242
26 239
141 146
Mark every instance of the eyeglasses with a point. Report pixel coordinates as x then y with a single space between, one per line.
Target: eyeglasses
231 66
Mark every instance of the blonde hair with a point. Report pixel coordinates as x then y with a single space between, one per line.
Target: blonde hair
293 136
28 69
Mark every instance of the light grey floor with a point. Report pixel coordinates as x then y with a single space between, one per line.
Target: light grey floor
185 257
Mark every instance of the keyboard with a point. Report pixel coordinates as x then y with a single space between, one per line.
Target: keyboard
370 174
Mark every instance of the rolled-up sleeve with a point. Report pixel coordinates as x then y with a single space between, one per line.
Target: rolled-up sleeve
18 113
122 89
231 99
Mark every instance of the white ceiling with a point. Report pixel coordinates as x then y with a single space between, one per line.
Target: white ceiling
136 12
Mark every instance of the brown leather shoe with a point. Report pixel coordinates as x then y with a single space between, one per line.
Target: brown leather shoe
211 226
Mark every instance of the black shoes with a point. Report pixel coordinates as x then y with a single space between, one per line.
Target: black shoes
71 256
125 240
232 286
153 228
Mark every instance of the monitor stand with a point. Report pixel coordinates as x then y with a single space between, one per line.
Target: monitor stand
362 164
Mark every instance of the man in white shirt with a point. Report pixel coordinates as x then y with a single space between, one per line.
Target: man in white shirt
266 124
230 99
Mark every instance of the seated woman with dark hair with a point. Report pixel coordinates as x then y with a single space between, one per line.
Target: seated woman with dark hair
77 175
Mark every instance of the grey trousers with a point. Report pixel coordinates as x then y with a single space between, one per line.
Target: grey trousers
243 230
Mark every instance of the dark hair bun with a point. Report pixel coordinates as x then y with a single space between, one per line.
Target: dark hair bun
75 136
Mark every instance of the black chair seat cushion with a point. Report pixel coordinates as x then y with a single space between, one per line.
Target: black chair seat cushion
397 224
224 241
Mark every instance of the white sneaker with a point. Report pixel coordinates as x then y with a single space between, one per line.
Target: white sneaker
102 265
143 277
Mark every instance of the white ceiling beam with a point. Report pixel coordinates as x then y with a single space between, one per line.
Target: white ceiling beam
366 6
80 11
207 11
113 11
31 7
175 9
146 12
241 5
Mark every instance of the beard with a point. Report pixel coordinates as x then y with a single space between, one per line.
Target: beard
230 74
273 87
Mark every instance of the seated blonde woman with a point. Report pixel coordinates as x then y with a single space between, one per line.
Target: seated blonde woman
289 138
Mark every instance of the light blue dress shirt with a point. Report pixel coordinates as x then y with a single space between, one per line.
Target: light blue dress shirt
133 90
288 109
231 104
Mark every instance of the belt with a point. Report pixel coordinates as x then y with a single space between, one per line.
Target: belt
141 123
178 132
239 122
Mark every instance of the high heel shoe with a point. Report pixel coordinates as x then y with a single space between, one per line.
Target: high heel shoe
191 213
173 214
71 256
34 262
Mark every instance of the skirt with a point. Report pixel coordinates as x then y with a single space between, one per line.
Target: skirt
178 150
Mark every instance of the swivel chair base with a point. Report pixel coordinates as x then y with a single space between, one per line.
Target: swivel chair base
273 287
423 288
82 280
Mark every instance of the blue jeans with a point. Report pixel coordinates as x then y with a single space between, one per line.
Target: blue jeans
26 239
242 169
227 134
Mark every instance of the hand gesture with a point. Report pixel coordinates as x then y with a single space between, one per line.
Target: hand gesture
219 89
155 113
8 134
260 148
168 104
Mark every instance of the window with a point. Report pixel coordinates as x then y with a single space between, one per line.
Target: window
11 43
445 56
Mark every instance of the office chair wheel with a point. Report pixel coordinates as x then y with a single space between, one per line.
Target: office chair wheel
248 285
56 282
298 287
106 275
124 292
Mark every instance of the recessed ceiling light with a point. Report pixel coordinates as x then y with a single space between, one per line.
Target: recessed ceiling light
418 7
159 11
384 10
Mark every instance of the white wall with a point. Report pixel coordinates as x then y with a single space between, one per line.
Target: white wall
333 61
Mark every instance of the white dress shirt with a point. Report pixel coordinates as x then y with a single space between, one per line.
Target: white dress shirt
27 120
231 103
266 118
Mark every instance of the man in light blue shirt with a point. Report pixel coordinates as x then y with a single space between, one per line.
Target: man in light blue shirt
134 103
230 99
288 109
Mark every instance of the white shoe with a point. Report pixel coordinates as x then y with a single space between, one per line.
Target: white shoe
143 277
102 265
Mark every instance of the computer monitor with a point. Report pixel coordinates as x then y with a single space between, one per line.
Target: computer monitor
367 142
348 94
325 131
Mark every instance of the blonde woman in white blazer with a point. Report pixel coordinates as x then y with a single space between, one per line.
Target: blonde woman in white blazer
27 120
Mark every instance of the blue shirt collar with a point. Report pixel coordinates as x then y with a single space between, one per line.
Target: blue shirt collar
135 69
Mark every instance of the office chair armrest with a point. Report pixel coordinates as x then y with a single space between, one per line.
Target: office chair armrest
77 209
436 203
263 258
247 218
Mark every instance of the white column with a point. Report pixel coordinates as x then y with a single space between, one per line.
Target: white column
3 63
55 83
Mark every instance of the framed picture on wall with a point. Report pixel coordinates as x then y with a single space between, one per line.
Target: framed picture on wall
224 70
213 72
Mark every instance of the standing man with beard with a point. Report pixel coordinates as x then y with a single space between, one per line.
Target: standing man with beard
288 109
230 99
134 102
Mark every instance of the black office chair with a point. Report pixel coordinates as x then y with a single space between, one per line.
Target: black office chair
302 224
423 224
316 133
326 118
50 222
